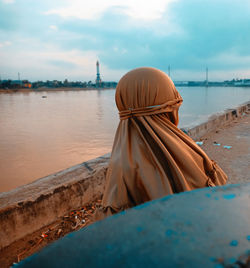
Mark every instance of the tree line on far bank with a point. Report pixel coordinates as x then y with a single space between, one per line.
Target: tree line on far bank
19 84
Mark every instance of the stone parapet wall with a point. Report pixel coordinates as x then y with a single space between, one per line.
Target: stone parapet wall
28 208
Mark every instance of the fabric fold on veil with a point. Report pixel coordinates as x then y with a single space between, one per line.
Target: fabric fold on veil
151 157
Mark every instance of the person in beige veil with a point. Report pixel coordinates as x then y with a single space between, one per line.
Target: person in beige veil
151 157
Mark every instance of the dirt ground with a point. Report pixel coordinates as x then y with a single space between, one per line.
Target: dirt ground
234 160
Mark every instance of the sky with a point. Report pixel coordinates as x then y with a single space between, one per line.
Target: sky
63 39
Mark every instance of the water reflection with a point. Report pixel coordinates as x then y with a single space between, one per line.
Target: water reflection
99 105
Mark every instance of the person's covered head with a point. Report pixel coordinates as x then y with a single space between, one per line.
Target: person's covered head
151 157
147 91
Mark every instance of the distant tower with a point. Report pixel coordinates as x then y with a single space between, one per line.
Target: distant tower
169 70
206 77
98 78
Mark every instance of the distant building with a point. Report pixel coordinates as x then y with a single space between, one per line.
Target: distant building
98 82
242 83
98 77
26 84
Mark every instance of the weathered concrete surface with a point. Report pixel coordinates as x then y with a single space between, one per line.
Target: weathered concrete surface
32 206
26 209
202 228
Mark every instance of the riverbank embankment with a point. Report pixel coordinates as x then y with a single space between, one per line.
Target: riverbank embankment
26 213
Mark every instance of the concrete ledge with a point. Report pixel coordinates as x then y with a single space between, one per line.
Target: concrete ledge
217 120
30 207
26 209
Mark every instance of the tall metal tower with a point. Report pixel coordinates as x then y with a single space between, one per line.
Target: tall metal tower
206 77
98 78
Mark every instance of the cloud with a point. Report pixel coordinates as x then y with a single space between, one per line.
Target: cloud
5 43
200 34
91 10
188 35
53 27
51 62
62 64
8 1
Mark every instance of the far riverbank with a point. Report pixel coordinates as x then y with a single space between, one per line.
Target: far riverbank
47 89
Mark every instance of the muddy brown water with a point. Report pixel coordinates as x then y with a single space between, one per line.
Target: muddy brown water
40 136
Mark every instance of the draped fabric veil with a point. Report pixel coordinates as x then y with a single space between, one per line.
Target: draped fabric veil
151 157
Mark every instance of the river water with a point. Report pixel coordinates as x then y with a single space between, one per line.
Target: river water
41 135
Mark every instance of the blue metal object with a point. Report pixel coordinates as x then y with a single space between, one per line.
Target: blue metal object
203 228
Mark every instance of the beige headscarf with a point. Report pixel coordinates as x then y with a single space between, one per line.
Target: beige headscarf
151 157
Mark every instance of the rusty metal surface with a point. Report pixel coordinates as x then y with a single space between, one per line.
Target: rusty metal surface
203 228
